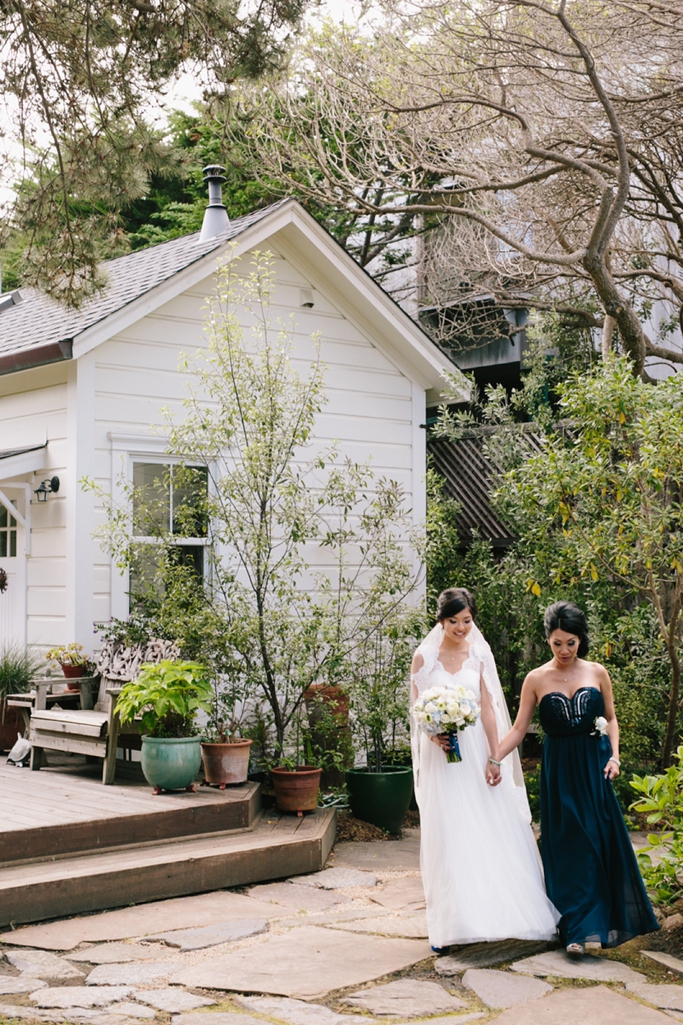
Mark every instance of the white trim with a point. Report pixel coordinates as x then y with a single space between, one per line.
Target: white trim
80 504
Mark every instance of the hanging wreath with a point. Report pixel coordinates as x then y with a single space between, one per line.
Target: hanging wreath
3 581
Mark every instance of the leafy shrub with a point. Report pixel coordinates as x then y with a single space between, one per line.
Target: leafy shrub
662 801
17 668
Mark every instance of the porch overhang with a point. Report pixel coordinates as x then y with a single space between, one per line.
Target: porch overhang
15 462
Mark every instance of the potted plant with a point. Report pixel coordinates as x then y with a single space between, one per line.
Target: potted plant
380 792
297 784
17 669
166 697
225 753
74 662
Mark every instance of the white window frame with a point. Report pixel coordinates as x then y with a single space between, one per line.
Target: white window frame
126 450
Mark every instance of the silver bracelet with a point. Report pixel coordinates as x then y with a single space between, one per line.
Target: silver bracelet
613 759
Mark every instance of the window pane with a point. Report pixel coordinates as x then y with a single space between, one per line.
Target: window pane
3 516
3 544
190 484
151 499
12 543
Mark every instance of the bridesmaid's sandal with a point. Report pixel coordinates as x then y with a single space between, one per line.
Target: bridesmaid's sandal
575 949
441 950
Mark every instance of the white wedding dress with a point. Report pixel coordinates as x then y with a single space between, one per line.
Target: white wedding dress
481 868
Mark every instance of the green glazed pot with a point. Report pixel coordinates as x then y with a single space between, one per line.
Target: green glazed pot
171 763
381 798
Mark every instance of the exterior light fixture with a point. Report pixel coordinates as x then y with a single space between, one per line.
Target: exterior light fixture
47 487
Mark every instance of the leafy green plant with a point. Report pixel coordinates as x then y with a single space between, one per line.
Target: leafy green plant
71 655
167 696
662 801
18 666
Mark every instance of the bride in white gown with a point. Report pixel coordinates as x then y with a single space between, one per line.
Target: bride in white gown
481 868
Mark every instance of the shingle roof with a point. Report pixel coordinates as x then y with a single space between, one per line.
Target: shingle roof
470 478
42 330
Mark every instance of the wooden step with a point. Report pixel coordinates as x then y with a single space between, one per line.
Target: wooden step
277 847
58 812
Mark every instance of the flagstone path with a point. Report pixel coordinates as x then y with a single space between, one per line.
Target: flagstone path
345 946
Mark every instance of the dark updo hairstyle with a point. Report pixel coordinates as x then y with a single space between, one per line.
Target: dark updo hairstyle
452 601
565 615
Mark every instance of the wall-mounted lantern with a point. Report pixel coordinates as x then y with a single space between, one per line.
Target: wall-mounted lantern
47 487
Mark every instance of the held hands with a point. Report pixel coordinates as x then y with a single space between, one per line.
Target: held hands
612 768
493 774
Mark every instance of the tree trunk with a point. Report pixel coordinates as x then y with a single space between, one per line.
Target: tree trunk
674 695
615 306
607 334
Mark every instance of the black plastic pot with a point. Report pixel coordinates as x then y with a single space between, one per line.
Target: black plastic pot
381 798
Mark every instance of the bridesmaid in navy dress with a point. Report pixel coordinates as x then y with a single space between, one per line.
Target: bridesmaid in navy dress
591 872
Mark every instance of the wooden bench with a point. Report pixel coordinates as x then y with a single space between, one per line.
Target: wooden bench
97 732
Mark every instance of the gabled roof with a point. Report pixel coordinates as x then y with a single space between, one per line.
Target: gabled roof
38 330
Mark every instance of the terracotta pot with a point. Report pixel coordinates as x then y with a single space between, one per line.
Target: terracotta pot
297 791
335 697
226 763
11 723
73 673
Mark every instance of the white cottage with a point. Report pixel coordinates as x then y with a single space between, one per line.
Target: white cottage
80 391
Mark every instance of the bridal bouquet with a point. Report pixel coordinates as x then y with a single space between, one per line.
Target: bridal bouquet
446 710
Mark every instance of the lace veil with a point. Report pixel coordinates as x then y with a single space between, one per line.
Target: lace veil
480 651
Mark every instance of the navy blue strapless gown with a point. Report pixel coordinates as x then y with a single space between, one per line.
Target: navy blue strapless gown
591 872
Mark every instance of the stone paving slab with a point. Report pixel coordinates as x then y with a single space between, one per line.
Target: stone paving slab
172 999
131 1010
292 895
143 920
502 989
593 1005
213 935
136 974
217 1018
452 1019
674 964
300 1012
82 1015
558 964
665 996
42 965
483 955
407 998
387 855
80 996
338 879
118 953
307 962
10 985
412 925
397 894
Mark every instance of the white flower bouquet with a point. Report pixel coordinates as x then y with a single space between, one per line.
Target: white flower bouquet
446 710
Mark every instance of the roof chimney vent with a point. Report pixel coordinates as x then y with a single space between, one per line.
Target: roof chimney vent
216 219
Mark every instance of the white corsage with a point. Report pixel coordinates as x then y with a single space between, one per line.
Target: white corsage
600 724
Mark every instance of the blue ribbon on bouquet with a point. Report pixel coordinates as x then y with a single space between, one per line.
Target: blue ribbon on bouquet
453 749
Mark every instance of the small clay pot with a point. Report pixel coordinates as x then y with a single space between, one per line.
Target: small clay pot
335 697
226 763
297 790
73 673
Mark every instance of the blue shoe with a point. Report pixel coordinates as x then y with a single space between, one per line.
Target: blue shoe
441 950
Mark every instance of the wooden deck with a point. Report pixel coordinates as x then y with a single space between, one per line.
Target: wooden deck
69 845
64 809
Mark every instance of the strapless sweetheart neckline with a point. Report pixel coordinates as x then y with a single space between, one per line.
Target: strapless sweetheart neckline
558 693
